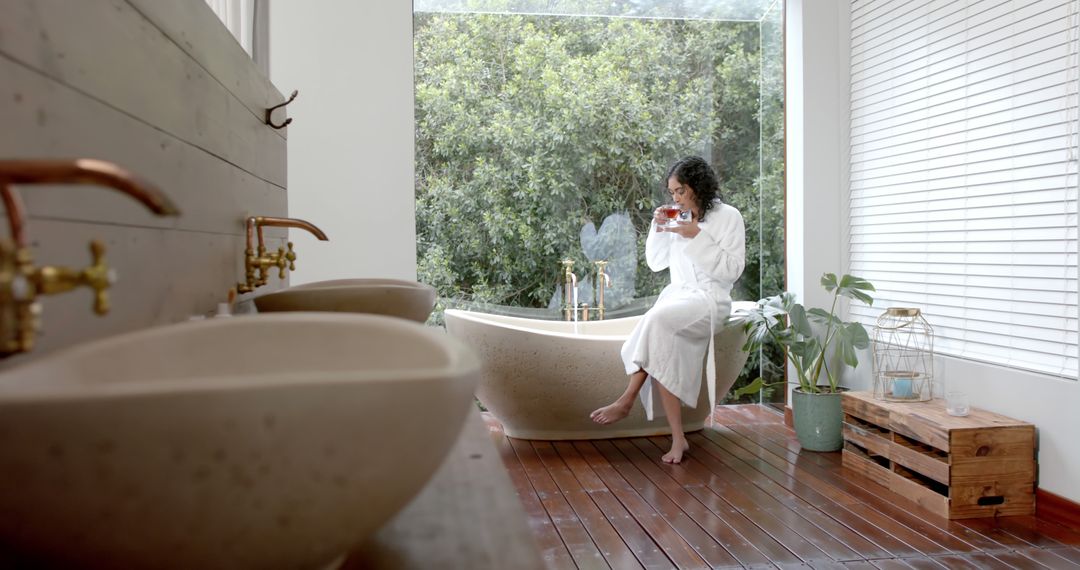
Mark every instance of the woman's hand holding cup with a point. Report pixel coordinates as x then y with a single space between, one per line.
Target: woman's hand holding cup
660 218
671 218
666 216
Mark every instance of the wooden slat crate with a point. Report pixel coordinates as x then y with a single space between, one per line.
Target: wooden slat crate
980 465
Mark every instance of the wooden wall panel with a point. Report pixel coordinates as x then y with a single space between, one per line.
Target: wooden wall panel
107 50
160 88
45 118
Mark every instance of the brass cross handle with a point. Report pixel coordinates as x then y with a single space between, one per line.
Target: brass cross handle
49 280
99 277
284 260
291 256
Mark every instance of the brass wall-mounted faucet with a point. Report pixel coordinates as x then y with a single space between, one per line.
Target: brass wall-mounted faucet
600 283
257 262
21 283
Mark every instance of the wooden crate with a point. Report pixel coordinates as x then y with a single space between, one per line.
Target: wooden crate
980 465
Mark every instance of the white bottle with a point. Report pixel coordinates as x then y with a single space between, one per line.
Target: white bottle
223 310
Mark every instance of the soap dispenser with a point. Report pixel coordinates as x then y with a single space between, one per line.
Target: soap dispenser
226 309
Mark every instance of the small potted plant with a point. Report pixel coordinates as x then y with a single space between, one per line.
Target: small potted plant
809 338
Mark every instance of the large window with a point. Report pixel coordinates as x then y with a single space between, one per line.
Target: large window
964 172
544 132
249 22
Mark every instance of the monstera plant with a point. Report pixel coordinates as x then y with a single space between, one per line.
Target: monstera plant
810 338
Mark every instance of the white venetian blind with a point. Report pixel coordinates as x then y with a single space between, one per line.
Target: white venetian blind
963 197
239 17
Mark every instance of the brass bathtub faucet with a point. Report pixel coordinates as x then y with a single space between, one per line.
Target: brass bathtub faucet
21 283
569 287
257 262
600 283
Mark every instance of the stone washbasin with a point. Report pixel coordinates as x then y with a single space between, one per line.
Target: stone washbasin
392 297
273 441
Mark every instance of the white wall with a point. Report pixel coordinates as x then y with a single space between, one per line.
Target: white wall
351 140
161 88
816 132
817 119
818 95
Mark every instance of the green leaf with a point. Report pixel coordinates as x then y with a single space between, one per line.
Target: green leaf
752 388
822 317
854 287
850 337
799 323
807 350
828 281
847 351
857 334
861 296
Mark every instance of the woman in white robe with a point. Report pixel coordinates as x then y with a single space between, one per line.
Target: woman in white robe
705 255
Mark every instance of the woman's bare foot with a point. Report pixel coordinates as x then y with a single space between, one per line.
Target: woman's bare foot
678 449
611 413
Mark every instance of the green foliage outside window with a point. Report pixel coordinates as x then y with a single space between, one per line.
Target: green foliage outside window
529 127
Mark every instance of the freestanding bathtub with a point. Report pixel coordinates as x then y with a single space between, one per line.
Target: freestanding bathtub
542 378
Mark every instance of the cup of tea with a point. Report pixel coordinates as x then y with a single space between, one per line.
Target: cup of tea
671 214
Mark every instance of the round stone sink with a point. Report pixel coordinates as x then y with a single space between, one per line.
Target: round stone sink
392 297
274 441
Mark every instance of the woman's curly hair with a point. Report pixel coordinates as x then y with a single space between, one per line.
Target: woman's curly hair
694 172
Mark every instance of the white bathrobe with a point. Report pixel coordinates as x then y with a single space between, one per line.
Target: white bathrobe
671 339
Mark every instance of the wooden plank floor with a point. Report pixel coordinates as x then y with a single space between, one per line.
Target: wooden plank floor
747 497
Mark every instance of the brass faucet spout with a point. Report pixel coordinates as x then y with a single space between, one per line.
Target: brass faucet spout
267 221
87 171
77 171
602 281
569 287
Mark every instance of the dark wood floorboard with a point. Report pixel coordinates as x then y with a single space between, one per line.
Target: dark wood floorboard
603 533
747 496
951 537
681 554
1072 554
547 539
636 538
582 549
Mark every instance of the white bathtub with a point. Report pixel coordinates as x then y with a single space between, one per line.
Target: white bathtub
542 378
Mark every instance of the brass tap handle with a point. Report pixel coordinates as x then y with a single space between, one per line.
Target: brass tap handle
601 273
50 280
291 256
99 277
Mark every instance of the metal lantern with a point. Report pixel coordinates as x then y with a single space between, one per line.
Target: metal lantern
903 356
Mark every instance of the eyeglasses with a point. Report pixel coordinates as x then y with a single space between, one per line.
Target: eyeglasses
681 190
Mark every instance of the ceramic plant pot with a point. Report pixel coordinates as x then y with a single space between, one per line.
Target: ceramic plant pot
818 420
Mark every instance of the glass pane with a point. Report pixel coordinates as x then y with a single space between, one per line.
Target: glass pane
541 138
770 204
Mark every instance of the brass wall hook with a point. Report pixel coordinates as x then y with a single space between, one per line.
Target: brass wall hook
271 110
